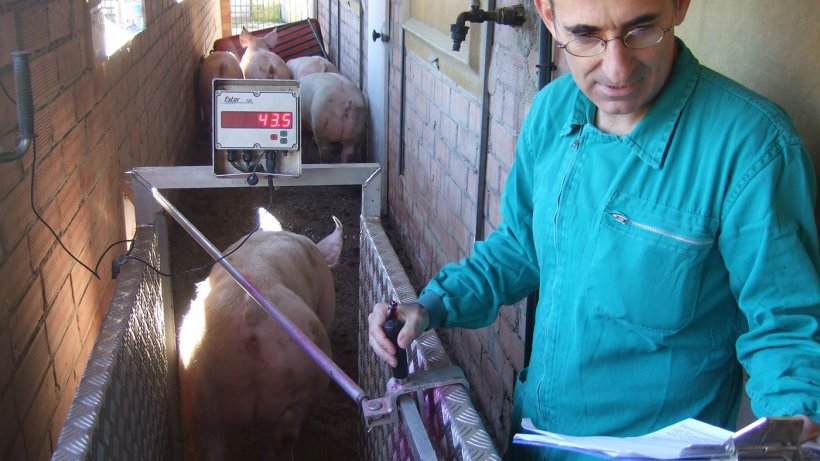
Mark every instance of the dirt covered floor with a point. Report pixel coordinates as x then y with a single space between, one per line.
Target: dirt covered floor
224 215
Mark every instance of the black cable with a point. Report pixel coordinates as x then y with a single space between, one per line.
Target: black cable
40 218
128 256
6 92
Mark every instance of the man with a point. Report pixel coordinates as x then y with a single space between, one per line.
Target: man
665 213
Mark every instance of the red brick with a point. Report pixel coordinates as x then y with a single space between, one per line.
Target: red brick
40 239
49 178
8 43
55 271
60 317
10 429
16 275
6 363
33 22
69 200
65 117
11 174
84 96
460 108
44 132
87 310
502 143
59 20
45 81
31 371
26 319
37 423
66 353
17 211
80 280
18 448
61 412
98 120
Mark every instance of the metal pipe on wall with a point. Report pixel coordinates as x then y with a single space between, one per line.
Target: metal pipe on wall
484 133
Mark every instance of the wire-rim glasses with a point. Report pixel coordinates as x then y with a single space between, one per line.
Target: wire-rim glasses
642 37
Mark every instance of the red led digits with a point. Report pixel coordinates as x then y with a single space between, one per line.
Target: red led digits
237 119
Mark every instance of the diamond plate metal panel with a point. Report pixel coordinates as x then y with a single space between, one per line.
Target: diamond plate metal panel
120 409
455 427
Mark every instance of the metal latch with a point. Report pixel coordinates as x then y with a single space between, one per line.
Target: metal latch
381 411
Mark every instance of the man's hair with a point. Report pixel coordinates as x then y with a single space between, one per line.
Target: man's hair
552 6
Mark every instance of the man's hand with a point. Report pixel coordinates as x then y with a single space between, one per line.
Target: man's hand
811 430
415 318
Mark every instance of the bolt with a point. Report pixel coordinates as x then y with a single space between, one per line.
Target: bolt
374 405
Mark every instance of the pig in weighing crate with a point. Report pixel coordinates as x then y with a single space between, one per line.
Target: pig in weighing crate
296 39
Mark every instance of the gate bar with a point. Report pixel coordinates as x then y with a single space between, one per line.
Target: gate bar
322 360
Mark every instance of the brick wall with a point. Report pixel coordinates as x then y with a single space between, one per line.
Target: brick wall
433 204
340 21
93 121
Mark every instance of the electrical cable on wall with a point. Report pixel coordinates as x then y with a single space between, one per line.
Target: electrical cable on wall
122 259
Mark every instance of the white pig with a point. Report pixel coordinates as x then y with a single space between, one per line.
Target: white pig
304 65
239 371
334 112
219 64
258 61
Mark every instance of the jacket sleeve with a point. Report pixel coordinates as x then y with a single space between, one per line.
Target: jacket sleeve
502 269
770 246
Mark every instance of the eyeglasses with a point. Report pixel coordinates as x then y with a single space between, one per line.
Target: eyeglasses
642 37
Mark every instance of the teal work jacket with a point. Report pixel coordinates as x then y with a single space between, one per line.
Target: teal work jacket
665 259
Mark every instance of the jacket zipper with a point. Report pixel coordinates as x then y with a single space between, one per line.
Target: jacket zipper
623 219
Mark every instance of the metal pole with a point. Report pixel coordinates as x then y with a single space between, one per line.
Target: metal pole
325 363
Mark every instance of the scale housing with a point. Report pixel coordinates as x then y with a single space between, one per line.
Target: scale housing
256 128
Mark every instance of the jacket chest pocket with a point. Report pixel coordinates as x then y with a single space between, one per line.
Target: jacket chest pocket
646 266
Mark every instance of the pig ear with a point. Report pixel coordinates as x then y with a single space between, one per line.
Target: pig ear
271 39
245 37
331 246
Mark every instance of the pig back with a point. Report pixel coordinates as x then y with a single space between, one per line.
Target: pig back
280 263
246 370
306 65
334 111
219 64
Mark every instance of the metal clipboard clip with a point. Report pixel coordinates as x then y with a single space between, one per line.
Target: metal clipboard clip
770 439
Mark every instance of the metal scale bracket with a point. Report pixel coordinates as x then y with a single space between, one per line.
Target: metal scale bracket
384 410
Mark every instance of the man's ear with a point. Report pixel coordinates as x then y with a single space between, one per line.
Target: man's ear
545 9
680 11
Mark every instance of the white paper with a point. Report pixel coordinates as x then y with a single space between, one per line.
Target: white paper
689 438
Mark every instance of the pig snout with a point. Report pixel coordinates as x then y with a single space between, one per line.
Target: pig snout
334 113
258 62
240 372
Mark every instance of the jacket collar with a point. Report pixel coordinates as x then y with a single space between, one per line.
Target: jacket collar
652 136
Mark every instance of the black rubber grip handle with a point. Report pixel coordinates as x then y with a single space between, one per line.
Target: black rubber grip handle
392 327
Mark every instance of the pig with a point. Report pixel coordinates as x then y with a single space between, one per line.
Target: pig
258 61
304 65
240 373
334 114
219 64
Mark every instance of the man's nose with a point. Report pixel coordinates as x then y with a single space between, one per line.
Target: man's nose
617 62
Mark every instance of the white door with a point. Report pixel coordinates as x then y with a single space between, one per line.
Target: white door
378 36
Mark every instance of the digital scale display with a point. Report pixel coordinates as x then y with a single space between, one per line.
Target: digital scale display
256 114
236 119
256 128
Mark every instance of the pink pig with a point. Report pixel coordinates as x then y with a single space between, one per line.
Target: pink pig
258 61
304 65
240 372
219 64
334 112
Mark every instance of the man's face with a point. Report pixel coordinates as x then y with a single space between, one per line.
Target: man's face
621 82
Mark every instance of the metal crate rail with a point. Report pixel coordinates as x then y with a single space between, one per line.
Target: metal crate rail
454 426
121 407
